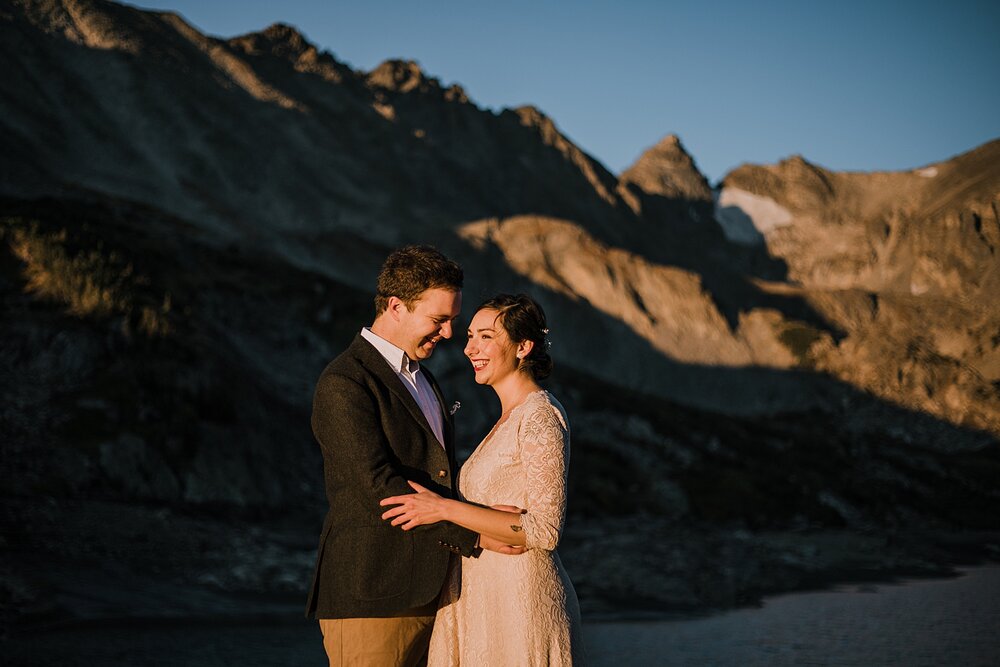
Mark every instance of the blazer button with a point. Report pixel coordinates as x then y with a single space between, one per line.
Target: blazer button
442 473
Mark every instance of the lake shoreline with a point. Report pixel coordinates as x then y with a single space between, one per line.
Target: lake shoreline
917 622
145 565
285 613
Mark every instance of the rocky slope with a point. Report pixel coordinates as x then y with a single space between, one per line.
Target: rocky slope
905 263
190 228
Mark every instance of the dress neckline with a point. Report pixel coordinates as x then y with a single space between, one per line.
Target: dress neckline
496 427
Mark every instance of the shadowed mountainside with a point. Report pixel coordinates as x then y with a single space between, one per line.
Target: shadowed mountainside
793 383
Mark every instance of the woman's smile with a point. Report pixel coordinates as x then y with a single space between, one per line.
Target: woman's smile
489 349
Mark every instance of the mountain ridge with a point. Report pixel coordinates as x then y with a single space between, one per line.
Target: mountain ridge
321 154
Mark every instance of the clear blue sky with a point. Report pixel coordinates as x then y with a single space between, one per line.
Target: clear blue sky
848 85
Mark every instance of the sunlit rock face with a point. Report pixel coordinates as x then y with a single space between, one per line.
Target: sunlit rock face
920 245
665 306
668 170
897 232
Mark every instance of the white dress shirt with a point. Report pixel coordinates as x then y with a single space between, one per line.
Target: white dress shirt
409 372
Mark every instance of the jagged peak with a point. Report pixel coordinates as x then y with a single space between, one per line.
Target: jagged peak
793 164
101 25
284 32
669 148
401 76
670 141
455 93
798 161
668 169
531 114
286 42
280 39
794 182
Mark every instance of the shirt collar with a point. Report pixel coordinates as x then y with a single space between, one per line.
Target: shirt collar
395 356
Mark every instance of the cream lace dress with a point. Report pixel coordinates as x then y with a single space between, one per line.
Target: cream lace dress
515 610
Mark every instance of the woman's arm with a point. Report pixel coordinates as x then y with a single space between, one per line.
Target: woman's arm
426 507
544 441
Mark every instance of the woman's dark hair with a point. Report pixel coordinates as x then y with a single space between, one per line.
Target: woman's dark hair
523 319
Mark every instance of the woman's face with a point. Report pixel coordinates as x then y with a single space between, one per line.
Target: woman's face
492 353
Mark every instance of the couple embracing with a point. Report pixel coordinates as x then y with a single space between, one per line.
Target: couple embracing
415 566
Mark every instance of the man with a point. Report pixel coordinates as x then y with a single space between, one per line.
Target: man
380 420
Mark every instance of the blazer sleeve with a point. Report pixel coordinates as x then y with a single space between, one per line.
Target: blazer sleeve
359 457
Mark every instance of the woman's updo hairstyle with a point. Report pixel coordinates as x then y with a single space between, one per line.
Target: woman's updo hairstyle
523 319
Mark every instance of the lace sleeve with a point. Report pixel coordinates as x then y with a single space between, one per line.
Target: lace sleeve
544 444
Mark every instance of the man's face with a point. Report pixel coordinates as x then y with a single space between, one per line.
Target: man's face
431 319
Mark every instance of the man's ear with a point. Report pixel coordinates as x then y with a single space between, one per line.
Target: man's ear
395 307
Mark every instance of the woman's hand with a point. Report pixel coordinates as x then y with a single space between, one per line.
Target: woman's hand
513 509
488 543
415 509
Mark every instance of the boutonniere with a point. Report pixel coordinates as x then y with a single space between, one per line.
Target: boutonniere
454 408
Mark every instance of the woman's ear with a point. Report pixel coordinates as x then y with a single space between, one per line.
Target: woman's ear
524 348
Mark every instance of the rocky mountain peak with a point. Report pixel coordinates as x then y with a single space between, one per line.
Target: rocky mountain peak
667 169
670 142
279 39
400 75
804 173
286 43
794 182
600 178
533 116
100 25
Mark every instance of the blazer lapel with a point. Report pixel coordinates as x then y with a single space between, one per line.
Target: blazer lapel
447 419
376 363
449 431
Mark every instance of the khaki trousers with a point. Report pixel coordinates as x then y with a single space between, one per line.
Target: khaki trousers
378 642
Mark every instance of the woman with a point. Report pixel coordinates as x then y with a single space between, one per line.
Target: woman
513 609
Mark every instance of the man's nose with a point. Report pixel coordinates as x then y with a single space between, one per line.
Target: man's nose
446 330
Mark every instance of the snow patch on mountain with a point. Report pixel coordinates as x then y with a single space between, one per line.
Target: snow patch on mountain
746 218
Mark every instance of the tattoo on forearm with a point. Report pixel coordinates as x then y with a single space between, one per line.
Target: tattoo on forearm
515 528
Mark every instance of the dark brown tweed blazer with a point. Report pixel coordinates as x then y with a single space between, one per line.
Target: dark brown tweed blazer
374 437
